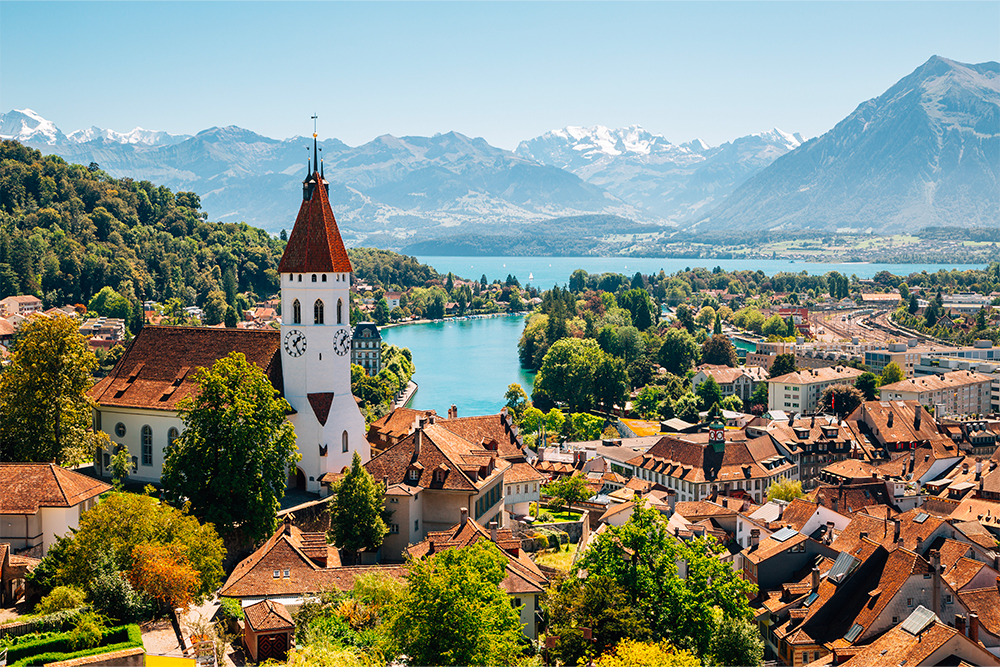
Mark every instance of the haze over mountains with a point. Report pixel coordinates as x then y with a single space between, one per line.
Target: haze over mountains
926 152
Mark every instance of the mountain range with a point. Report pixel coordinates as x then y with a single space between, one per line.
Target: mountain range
926 152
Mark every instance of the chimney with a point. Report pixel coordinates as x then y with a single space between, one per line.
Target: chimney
913 458
812 424
920 543
916 417
385 481
834 502
979 468
960 623
672 501
815 578
288 524
430 418
862 535
895 532
891 419
754 537
493 531
453 412
974 627
430 548
465 517
828 537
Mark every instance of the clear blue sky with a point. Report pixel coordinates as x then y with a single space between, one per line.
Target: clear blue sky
502 71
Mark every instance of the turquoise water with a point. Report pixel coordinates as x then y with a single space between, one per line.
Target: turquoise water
549 271
468 363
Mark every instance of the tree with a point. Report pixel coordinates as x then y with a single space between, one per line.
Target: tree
759 395
686 408
230 318
647 401
435 309
732 403
583 426
163 573
121 466
782 365
891 374
232 459
642 308
717 325
356 521
45 413
215 308
578 281
454 612
709 393
678 351
643 556
841 399
912 305
785 489
685 317
516 401
533 420
706 317
381 312
631 653
736 641
867 384
610 382
719 350
775 326
567 373
568 490
109 303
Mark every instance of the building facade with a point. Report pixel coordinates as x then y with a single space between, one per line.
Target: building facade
366 348
800 391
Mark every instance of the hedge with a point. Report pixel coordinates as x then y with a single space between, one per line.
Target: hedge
58 648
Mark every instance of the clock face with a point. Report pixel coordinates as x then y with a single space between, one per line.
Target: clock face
342 342
295 343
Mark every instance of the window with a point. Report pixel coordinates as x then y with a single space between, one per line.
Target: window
394 528
343 442
287 573
314 277
300 277
416 525
172 435
414 474
296 311
147 446
276 574
516 603
393 500
318 312
120 430
947 599
909 602
340 311
324 277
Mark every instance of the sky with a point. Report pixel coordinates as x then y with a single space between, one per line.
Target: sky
505 71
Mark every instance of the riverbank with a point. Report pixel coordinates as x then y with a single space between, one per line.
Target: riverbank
457 318
411 389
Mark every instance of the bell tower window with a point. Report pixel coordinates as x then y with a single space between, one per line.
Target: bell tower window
296 312
324 277
318 312
314 277
343 439
340 311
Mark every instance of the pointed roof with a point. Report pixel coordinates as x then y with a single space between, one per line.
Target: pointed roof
315 245
30 486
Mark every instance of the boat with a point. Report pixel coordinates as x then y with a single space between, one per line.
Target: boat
531 276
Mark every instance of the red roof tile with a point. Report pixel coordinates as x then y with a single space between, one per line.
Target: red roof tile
29 486
268 615
315 244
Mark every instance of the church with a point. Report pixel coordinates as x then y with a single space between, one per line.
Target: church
308 361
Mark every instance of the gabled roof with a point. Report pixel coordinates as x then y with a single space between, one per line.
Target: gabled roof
813 375
157 369
486 428
315 245
692 459
899 647
26 487
943 382
400 422
268 615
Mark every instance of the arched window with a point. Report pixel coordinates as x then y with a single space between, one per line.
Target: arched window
324 277
172 435
296 312
343 440
147 446
300 277
318 312
340 311
314 277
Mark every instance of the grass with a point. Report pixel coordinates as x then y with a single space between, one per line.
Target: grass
561 515
561 559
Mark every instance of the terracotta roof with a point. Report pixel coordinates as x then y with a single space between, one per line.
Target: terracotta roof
851 498
797 513
315 244
769 547
157 369
693 459
522 472
399 423
962 572
882 531
697 509
851 469
986 512
29 486
484 429
728 375
986 603
943 382
268 615
302 554
899 647
902 415
814 375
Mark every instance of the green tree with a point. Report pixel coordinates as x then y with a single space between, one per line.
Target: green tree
759 395
717 325
554 420
913 305
630 653
891 374
736 641
578 281
215 308
643 556
706 317
610 382
732 403
435 309
867 384
719 350
381 312
121 466
685 317
533 420
516 401
647 401
678 351
785 489
45 413
110 303
841 399
709 393
568 490
583 426
230 318
232 460
641 307
686 408
567 373
356 520
454 612
775 326
782 365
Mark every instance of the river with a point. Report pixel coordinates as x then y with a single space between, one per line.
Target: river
468 363
544 272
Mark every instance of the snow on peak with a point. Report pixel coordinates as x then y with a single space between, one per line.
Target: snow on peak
27 125
777 136
137 136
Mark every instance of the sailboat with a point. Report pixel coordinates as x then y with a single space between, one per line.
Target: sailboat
531 276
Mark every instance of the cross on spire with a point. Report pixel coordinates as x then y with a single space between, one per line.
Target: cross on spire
315 143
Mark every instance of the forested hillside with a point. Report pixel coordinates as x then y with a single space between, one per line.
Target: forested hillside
67 230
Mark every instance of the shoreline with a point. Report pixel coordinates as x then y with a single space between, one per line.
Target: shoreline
459 318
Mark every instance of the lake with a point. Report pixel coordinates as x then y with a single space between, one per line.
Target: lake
548 271
468 363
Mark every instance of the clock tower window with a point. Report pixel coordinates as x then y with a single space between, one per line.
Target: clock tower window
340 311
343 439
314 277
296 312
324 277
318 312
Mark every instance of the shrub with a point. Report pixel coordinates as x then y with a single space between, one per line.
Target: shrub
231 609
114 596
59 647
61 597
88 632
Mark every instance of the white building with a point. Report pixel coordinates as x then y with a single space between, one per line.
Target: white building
800 391
958 392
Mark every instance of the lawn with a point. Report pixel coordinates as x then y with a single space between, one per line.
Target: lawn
560 560
560 515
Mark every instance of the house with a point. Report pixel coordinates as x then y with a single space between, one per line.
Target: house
268 631
768 561
800 391
524 582
292 567
366 347
307 361
392 299
955 393
393 427
809 443
40 501
13 569
739 381
23 305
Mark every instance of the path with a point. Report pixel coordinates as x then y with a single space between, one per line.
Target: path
411 389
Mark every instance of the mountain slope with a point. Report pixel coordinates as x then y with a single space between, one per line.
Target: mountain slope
676 182
924 153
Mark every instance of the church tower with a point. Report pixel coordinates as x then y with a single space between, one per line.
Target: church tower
316 338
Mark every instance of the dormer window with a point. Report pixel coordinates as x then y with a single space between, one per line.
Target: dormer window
277 574
414 474
288 573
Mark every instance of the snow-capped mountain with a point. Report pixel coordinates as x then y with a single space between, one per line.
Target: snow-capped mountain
136 136
676 182
28 127
924 153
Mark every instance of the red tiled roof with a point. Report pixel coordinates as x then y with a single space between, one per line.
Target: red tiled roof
28 486
315 244
157 369
268 615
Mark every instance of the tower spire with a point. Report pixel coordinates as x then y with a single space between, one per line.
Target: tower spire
315 143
